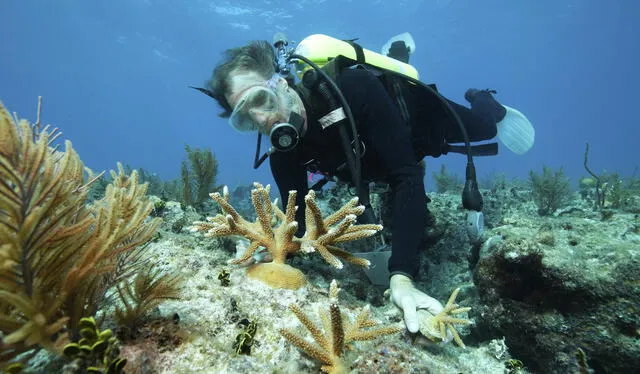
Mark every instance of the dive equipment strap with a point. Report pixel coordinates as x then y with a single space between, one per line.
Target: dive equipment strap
258 160
489 149
331 92
358 49
332 117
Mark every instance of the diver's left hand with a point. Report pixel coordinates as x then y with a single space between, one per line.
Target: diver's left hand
408 298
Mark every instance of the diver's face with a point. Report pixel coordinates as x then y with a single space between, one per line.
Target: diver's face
258 104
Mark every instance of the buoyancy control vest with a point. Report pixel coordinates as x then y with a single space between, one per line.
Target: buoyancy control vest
398 78
332 56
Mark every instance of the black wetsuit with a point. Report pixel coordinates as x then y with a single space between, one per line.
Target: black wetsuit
393 149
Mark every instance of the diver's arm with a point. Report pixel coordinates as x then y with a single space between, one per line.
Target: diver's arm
290 175
389 141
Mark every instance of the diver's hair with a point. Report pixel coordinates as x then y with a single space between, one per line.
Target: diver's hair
257 56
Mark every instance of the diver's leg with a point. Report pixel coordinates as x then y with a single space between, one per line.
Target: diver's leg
479 121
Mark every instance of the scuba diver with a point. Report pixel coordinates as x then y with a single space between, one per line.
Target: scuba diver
360 116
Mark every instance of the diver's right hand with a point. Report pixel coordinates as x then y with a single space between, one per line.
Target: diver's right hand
408 298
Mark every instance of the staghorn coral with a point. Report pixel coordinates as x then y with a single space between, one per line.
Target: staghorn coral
320 235
58 255
435 327
336 334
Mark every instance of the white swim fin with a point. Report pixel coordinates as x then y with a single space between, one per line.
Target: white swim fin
516 132
408 41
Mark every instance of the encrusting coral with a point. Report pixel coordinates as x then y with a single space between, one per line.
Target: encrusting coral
58 254
320 235
336 333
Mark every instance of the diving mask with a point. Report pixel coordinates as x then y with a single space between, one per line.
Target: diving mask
256 106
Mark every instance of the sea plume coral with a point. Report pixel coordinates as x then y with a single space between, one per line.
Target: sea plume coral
57 253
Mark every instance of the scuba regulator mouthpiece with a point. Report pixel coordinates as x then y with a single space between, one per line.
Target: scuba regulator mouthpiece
285 136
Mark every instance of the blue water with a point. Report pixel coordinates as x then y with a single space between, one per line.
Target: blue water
114 74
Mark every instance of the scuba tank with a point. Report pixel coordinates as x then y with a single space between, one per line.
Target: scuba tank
321 49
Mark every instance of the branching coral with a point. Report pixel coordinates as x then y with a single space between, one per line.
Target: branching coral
57 253
435 327
336 333
275 231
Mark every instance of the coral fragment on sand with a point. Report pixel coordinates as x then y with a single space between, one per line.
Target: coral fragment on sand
335 333
436 327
